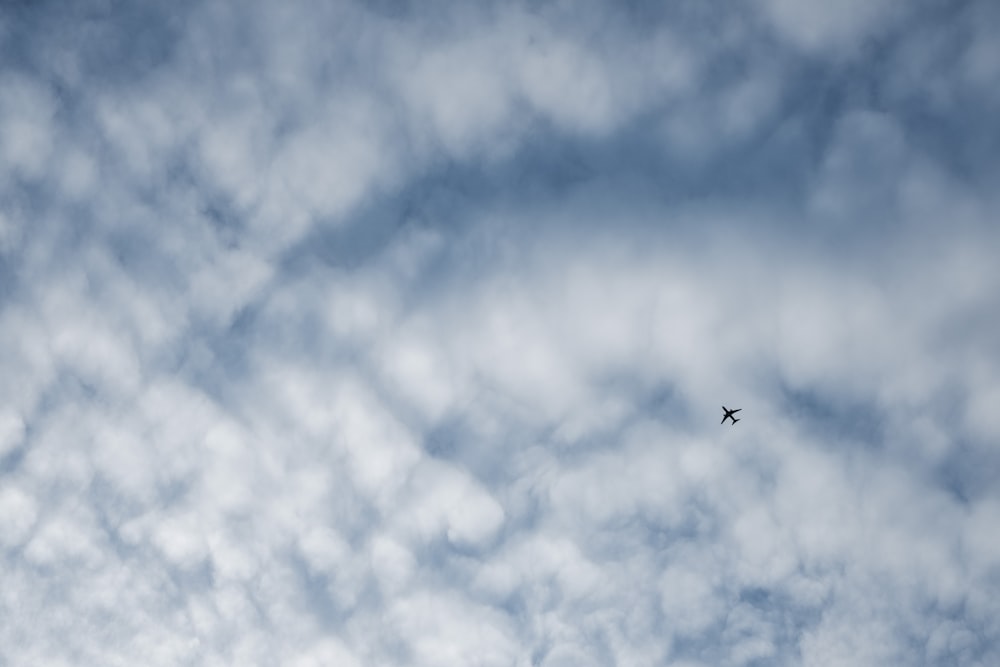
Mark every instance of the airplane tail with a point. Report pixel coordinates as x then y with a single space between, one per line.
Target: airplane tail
735 420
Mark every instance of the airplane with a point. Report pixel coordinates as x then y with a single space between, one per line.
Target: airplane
729 415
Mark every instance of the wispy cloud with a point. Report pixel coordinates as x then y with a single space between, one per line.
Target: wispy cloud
381 334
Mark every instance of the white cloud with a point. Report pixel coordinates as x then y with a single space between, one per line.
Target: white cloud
326 652
442 501
446 630
392 563
861 170
824 26
65 539
11 431
79 173
18 513
466 100
315 352
27 129
570 85
325 169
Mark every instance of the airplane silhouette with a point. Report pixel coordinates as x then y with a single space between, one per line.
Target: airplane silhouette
729 415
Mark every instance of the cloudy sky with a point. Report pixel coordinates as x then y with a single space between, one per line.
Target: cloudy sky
396 333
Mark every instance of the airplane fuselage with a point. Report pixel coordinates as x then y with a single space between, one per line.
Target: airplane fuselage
729 414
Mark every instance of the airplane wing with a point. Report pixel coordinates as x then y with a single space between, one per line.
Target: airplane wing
736 410
723 419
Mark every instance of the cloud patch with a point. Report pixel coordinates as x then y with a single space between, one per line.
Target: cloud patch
368 336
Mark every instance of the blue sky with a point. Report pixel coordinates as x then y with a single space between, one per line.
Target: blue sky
397 334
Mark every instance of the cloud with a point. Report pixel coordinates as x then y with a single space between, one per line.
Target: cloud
367 336
818 26
26 136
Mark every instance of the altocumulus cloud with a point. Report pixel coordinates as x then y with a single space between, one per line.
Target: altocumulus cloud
395 334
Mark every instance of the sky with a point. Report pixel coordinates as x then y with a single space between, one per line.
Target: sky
396 333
